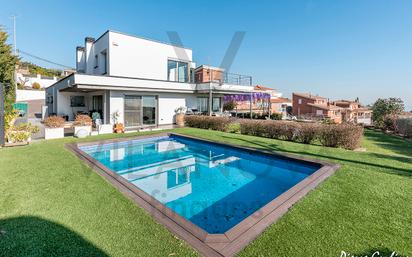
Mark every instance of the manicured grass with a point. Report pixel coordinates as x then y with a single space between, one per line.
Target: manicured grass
51 204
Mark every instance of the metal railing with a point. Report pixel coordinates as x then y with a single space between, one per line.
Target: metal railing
237 79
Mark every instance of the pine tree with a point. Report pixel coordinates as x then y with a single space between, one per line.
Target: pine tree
8 63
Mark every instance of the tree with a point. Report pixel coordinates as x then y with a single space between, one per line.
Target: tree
385 110
8 63
229 106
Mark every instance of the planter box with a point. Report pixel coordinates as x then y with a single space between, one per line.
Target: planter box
52 133
87 128
105 129
180 120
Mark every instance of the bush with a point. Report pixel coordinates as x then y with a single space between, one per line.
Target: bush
343 135
83 120
208 122
20 86
229 106
308 132
21 132
54 122
404 126
347 136
36 85
276 116
233 127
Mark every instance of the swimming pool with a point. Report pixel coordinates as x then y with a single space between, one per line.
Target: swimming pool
211 186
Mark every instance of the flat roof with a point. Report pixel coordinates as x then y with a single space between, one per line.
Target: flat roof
140 37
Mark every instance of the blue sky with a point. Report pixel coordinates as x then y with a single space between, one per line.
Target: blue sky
338 49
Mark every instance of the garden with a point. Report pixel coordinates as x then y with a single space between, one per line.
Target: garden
49 196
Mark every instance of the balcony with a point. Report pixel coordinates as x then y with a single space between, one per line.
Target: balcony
205 74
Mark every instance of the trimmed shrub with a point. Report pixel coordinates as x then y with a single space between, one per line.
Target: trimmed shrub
347 136
208 122
54 122
308 132
276 116
83 120
36 85
404 126
233 127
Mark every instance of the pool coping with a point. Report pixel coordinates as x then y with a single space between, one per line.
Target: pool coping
236 238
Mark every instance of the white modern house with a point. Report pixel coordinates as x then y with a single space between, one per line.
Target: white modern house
141 80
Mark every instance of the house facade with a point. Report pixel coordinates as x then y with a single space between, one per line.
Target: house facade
306 105
138 82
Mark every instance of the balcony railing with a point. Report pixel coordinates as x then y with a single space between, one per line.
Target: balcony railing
222 77
237 79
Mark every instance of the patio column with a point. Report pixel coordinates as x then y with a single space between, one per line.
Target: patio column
210 100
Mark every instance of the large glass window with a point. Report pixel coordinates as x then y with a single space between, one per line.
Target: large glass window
139 110
177 71
202 104
132 110
149 110
216 104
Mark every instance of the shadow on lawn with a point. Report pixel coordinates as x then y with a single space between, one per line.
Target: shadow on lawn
392 143
389 169
33 236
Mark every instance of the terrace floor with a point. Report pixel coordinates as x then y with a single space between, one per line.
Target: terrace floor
51 204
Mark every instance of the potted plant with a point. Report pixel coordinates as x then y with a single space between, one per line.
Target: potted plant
20 134
118 126
54 127
82 122
180 116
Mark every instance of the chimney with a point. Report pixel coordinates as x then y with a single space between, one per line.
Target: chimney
80 59
88 42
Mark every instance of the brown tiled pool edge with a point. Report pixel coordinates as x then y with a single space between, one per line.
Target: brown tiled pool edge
235 239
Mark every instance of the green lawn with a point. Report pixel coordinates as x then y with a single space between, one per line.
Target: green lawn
51 204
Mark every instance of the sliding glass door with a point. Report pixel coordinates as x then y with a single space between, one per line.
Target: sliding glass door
149 110
139 110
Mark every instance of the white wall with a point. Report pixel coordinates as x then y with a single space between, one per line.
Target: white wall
141 58
27 95
28 81
167 103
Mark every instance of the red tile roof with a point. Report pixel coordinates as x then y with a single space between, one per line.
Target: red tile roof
259 87
280 100
310 96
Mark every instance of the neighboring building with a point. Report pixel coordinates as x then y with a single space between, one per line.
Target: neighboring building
141 80
273 104
280 105
354 112
27 80
310 106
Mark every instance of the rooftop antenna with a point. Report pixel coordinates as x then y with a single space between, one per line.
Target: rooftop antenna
13 17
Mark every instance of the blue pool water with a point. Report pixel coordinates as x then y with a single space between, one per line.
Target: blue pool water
214 186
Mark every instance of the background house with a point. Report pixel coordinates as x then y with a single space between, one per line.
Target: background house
308 106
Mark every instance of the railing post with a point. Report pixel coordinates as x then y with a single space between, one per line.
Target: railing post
2 128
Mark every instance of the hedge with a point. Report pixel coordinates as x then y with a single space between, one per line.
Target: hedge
208 122
347 136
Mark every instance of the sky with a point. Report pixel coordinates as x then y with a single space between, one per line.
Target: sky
337 49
